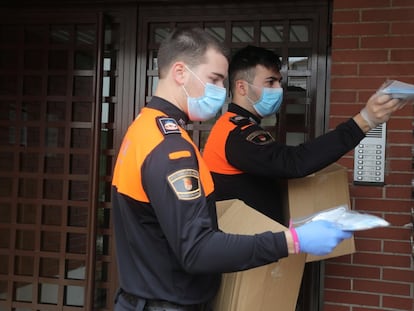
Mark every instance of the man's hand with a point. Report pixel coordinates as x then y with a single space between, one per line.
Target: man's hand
377 110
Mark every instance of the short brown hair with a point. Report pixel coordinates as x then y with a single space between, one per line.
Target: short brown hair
189 45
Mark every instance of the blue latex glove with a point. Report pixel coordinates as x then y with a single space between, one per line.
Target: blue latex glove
320 237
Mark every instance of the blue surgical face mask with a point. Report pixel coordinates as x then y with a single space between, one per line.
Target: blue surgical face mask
205 107
269 102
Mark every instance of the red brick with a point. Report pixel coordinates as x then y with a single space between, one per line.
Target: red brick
358 56
378 205
337 283
366 191
398 192
354 4
398 303
381 287
388 14
382 260
352 271
333 307
352 297
399 137
399 3
386 70
367 245
402 275
358 29
394 42
357 83
399 151
344 43
381 233
402 55
399 219
343 69
405 28
397 247
399 165
399 178
345 16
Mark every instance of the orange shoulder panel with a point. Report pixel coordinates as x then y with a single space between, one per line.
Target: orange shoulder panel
214 152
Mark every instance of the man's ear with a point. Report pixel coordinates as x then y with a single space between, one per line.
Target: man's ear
179 73
240 87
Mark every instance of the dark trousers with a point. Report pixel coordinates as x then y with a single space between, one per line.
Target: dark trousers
128 302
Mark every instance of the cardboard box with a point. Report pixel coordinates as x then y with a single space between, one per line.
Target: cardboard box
276 286
322 190
267 288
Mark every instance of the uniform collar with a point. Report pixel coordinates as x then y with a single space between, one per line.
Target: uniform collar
169 109
243 112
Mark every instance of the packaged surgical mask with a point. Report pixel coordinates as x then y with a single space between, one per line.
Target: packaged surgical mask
397 89
344 218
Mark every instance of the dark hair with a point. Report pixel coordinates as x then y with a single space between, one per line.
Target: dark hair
244 62
189 45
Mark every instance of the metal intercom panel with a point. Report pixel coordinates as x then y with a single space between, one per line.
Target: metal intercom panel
369 158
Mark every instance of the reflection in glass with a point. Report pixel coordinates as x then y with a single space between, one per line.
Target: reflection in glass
81 138
81 112
24 265
29 162
219 32
32 85
4 266
76 243
78 190
294 139
79 164
242 33
74 295
22 291
28 188
56 85
48 293
299 33
75 269
85 34
54 163
50 241
5 212
77 216
56 111
25 240
82 86
53 189
84 60
51 215
271 33
26 213
60 34
58 60
159 32
49 267
4 238
33 59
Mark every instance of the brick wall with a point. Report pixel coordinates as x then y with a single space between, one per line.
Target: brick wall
373 40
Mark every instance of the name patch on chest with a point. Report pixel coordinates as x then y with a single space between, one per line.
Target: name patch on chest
186 184
168 126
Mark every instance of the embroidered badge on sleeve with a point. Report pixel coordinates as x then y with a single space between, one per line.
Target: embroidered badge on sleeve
186 184
168 126
260 137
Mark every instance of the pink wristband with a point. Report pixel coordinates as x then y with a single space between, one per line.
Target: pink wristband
295 240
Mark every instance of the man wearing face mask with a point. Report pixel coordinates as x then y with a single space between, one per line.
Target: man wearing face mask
245 160
170 252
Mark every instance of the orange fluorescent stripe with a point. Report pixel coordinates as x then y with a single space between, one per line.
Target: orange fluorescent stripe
179 154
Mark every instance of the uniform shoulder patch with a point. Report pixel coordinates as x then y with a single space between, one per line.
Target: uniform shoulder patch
168 126
260 137
186 184
241 120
